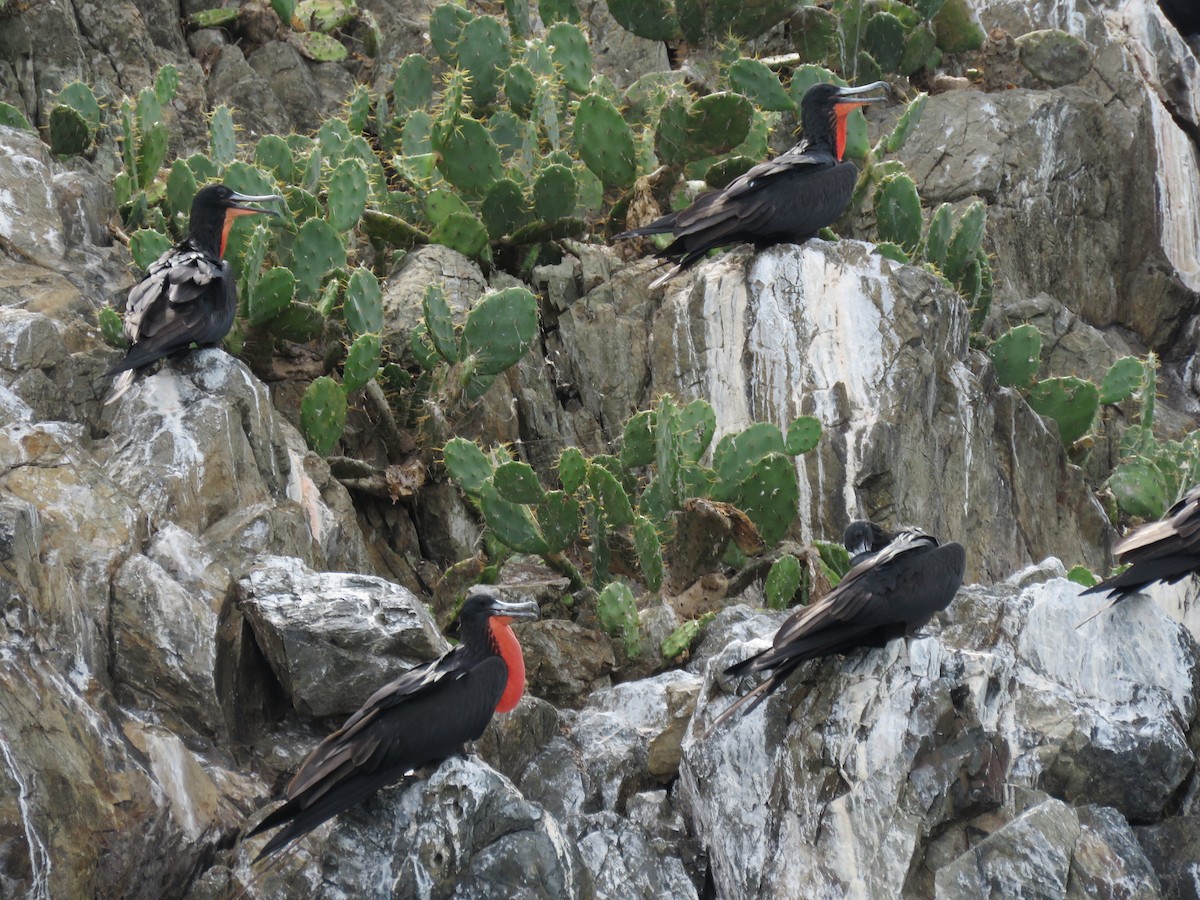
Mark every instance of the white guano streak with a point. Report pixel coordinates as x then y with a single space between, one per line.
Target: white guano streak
39 857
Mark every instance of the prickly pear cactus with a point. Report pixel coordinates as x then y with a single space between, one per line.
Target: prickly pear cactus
756 81
362 361
69 132
618 615
964 245
605 142
1071 402
146 245
500 329
1123 377
221 136
270 296
654 20
318 248
323 414
467 464
1017 355
348 192
554 193
898 212
783 582
363 305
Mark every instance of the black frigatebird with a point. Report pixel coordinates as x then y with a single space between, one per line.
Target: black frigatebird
422 717
788 199
888 593
188 294
1167 550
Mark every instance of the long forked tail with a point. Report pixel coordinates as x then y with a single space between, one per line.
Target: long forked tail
121 384
758 695
1107 605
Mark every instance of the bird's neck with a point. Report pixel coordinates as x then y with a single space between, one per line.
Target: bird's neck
506 646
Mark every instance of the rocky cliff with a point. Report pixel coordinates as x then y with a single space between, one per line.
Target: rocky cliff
191 599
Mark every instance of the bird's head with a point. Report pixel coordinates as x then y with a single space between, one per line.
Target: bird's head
824 109
482 606
214 209
862 537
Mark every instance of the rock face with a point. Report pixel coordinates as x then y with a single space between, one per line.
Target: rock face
973 758
189 599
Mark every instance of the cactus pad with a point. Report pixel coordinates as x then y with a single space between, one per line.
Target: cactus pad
69 132
1017 356
501 329
348 191
512 523
554 193
654 20
463 232
467 156
270 296
898 212
637 446
1122 378
605 142
439 323
1139 488
783 582
802 435
483 51
503 210
147 245
883 38
558 519
221 136
468 465
317 249
362 361
516 482
1071 402
363 306
572 470
618 615
570 51
756 81
323 414
413 85
649 551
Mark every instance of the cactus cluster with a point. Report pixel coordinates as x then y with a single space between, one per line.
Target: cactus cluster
74 120
318 29
1152 474
626 515
865 41
698 22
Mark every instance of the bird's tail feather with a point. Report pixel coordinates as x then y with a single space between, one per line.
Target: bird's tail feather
122 384
1107 605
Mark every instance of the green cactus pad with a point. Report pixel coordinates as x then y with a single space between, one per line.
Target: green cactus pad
322 47
413 86
637 445
512 523
920 51
697 423
898 212
147 245
802 435
324 15
1071 402
213 18
323 414
221 136
11 117
927 9
835 560
558 11
501 329
894 252
166 84
736 454
1139 488
610 496
331 294
483 52
559 520
605 141
446 23
1017 356
968 235
463 232
112 329
956 28
1121 380
82 99
571 54
815 34
467 464
441 204
181 188
938 235
300 322
572 469
618 615
439 323
1082 575
273 153
883 38
783 582
467 156
363 307
906 123
317 249
519 88
708 21
69 132
554 193
756 81
681 639
348 191
718 122
518 483
770 496
271 295
504 209
362 361
649 551
392 230
358 109
654 20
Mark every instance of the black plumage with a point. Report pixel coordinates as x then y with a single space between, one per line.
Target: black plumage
188 295
1167 550
888 593
422 717
788 199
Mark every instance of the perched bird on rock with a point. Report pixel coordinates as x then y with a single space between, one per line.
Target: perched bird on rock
786 200
888 593
188 294
1167 550
422 717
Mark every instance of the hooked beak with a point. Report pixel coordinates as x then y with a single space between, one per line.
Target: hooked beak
524 609
252 198
849 95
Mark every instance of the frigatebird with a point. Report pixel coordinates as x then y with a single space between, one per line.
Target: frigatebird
788 199
422 717
888 593
188 294
1167 550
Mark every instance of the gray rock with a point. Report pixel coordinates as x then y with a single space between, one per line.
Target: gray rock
288 76
332 639
404 290
565 662
625 863
1108 859
255 107
1173 849
1054 56
30 223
